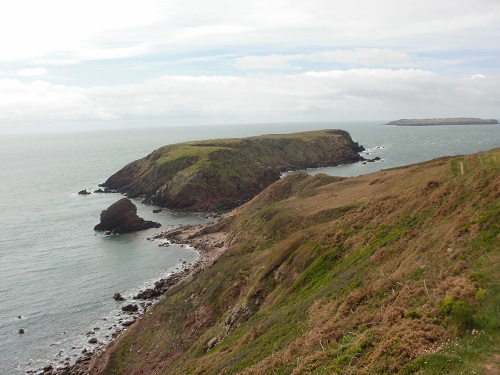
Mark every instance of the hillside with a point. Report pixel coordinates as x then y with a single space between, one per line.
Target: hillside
223 174
392 272
443 121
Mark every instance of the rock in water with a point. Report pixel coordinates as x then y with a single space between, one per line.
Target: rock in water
130 308
118 297
121 217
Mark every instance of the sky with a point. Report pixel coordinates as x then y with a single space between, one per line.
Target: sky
67 65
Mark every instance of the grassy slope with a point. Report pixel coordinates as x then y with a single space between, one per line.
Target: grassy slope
383 273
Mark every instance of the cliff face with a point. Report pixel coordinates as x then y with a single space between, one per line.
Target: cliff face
223 174
392 272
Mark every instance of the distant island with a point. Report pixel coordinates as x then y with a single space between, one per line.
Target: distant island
443 121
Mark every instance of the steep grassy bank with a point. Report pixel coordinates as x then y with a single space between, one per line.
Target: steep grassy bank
222 174
393 272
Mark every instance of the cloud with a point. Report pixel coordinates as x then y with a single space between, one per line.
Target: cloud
33 72
237 61
33 29
350 57
362 94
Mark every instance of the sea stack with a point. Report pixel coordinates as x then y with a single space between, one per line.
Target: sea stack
121 217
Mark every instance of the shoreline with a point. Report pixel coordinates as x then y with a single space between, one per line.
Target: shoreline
209 245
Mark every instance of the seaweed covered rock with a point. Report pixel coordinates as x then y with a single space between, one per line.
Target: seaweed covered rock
121 217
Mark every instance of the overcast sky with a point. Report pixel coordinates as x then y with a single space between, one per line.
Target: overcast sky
67 65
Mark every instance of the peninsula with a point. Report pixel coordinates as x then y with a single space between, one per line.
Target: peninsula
223 174
443 121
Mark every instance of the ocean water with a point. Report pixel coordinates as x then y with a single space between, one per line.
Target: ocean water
58 276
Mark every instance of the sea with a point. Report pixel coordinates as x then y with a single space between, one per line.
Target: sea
58 276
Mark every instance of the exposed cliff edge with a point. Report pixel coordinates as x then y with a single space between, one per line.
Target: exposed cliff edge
222 174
392 272
443 121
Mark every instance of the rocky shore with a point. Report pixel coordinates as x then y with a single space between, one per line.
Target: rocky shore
208 239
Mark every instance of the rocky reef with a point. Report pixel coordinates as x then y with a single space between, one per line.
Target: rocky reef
223 174
121 217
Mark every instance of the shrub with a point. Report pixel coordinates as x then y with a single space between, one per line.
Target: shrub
412 314
481 294
458 313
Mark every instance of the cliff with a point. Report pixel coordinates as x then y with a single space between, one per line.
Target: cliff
392 272
222 174
443 121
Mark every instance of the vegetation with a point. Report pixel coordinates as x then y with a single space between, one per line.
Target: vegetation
223 174
394 272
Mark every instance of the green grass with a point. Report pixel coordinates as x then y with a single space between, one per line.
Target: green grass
476 343
224 173
291 268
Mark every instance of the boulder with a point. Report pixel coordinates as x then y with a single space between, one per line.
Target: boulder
118 297
148 294
130 308
121 217
84 192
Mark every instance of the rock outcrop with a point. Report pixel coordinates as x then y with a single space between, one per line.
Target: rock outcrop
121 217
223 174
130 308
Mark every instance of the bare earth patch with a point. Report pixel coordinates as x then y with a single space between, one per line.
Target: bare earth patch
492 367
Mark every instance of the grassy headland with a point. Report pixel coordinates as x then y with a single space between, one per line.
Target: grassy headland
392 272
223 174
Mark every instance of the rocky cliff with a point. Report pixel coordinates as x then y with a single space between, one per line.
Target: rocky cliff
392 272
222 174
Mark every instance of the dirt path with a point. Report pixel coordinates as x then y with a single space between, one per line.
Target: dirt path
492 367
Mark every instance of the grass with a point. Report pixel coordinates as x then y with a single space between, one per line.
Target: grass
404 282
222 173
